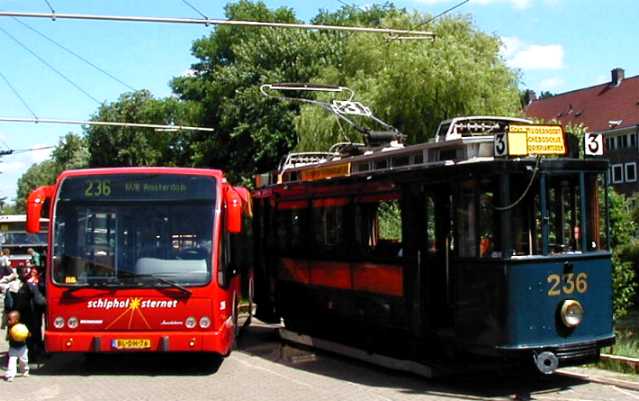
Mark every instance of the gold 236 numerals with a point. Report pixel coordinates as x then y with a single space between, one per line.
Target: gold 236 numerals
567 284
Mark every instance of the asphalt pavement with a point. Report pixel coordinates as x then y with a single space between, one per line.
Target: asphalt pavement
263 368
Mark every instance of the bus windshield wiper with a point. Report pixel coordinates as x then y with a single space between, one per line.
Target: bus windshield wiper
159 279
173 284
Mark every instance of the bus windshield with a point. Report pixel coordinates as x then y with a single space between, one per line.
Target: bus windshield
134 230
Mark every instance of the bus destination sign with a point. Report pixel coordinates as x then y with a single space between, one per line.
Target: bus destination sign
139 187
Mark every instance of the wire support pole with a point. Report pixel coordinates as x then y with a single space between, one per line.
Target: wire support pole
160 127
197 21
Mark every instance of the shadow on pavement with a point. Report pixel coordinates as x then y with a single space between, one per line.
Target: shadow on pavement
130 364
263 341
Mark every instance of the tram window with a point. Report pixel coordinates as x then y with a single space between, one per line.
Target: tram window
466 220
328 230
400 161
487 239
378 229
596 212
526 217
564 209
431 245
290 231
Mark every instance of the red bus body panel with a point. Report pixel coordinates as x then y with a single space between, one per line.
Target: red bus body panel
155 315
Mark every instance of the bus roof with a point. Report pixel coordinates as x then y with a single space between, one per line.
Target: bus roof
141 170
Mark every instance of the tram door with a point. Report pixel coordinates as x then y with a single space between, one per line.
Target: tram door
437 236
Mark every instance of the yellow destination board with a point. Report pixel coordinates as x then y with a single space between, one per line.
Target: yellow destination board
320 173
536 140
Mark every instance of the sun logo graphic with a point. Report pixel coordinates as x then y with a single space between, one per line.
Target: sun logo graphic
130 312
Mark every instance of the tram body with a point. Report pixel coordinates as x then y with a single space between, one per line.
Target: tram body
441 252
143 259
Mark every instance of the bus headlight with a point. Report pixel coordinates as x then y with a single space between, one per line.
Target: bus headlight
190 322
58 323
72 322
572 313
205 322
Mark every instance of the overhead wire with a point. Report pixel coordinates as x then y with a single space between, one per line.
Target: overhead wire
49 5
210 21
443 13
52 68
74 54
195 9
15 92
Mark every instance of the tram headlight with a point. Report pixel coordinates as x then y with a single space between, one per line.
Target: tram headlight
58 323
205 322
572 313
190 322
72 322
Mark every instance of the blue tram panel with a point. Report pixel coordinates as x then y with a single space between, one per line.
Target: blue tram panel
538 289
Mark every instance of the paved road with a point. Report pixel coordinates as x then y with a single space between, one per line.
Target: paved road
262 369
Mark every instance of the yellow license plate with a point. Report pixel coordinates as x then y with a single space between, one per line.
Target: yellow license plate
132 343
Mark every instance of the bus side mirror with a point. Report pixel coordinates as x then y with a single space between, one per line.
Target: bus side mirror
233 212
35 202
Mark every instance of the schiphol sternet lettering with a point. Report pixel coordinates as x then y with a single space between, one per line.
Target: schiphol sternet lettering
108 304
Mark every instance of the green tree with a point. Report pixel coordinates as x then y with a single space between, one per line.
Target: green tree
622 229
414 85
252 132
117 146
43 173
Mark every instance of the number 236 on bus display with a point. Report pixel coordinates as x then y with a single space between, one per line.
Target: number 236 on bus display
97 188
567 284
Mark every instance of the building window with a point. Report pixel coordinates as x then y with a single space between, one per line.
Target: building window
617 173
633 140
624 141
631 172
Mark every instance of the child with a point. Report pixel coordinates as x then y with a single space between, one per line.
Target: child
17 346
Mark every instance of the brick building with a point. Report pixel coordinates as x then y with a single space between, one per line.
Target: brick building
611 108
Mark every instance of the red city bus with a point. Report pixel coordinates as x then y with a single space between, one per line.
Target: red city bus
143 259
14 237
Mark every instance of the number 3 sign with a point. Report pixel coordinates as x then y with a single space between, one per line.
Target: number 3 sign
593 144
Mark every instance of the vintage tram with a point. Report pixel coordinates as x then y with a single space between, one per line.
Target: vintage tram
488 243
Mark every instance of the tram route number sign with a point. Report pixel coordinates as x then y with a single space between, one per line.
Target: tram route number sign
524 140
593 144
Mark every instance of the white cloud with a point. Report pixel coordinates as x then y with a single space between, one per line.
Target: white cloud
519 54
520 4
551 84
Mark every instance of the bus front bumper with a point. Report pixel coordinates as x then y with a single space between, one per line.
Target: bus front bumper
152 341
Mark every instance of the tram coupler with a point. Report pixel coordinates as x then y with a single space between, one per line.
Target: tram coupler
547 362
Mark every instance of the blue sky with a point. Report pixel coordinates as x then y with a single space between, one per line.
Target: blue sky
558 45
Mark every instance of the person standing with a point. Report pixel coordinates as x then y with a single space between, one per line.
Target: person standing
18 351
5 263
36 259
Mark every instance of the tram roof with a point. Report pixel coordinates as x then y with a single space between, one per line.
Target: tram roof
458 141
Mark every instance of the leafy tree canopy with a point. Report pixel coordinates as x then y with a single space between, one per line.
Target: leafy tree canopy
414 85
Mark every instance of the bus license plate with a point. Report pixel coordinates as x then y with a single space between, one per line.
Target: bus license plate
131 343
